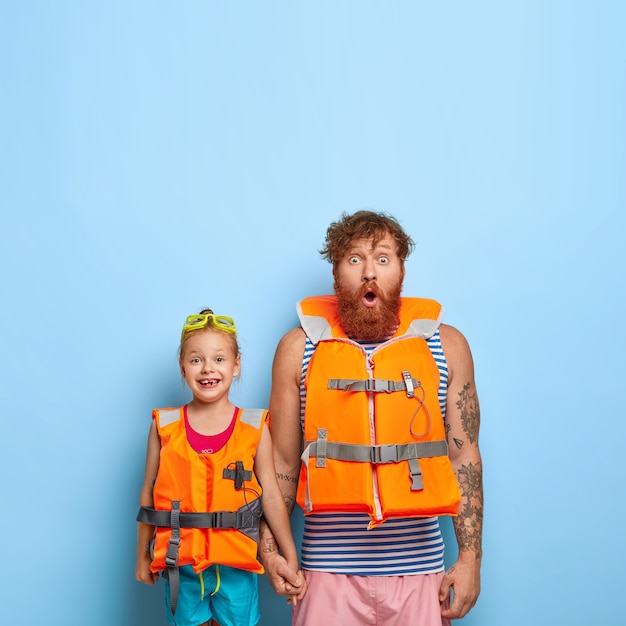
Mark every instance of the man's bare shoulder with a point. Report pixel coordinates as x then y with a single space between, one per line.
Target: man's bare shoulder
292 341
452 338
290 351
455 348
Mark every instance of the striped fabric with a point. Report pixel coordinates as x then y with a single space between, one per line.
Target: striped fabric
342 544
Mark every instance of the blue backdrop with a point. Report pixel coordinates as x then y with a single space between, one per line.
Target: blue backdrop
159 157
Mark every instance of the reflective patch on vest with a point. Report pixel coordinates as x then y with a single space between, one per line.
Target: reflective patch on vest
316 328
423 328
168 416
253 417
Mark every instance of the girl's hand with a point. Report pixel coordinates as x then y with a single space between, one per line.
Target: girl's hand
298 594
142 570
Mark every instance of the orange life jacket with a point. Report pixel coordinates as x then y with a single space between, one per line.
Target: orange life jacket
206 506
373 430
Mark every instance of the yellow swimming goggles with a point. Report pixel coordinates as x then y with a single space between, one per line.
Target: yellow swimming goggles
201 320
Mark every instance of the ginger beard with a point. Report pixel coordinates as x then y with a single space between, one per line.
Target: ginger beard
369 324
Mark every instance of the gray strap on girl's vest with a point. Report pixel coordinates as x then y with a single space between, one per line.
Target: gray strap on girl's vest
246 521
171 557
216 519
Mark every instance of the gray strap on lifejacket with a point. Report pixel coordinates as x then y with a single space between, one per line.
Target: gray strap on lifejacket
246 521
323 449
375 385
171 556
239 474
216 519
415 472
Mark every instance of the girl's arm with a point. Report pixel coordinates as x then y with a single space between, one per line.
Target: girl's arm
145 532
274 510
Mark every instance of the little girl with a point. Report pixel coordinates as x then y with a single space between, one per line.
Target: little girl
201 497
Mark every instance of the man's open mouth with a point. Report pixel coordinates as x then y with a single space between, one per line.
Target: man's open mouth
369 298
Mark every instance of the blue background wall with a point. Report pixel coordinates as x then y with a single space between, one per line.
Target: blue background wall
158 157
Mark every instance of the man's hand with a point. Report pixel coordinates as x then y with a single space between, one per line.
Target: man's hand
464 578
284 580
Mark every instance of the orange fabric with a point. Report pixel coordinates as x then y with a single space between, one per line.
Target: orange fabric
196 481
359 417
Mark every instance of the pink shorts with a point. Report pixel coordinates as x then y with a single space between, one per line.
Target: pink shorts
370 600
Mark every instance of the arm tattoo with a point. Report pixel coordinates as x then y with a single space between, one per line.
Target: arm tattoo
291 479
290 501
269 545
457 442
470 414
468 524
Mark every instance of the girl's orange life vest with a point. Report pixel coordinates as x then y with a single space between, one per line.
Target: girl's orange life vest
373 429
218 490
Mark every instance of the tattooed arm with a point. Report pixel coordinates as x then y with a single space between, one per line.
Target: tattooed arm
462 425
287 443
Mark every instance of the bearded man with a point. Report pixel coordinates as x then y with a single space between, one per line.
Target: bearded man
374 421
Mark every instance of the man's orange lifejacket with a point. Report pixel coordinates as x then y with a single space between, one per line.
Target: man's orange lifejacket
373 430
206 506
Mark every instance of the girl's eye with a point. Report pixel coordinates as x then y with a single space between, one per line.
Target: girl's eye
195 361
220 359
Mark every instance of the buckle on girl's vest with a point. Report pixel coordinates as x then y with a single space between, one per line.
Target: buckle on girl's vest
171 558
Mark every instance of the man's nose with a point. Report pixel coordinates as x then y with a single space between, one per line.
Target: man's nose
369 271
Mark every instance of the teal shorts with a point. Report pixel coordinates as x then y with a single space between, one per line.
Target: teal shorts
229 596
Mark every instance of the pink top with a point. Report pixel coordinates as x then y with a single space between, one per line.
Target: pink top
208 444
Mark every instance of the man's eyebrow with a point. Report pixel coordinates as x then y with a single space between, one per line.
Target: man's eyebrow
354 250
382 246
